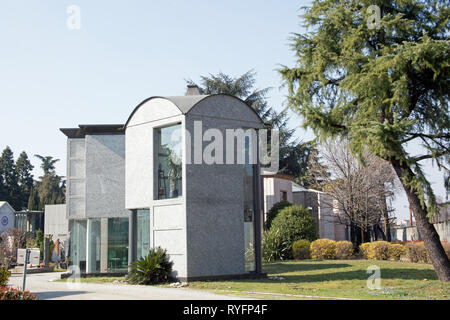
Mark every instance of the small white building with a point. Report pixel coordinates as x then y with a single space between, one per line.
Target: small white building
7 216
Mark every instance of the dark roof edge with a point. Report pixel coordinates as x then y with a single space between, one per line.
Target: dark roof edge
98 129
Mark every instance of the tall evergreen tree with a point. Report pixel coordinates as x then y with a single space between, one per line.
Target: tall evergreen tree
293 154
9 178
51 187
382 81
25 180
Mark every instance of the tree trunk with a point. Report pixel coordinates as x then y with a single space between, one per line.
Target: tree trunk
387 231
429 235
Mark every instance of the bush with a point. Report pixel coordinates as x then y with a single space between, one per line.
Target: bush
294 223
8 293
377 250
323 249
153 269
344 250
4 276
416 252
273 246
396 251
364 249
300 249
273 212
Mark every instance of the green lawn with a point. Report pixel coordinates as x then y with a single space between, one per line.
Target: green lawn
337 279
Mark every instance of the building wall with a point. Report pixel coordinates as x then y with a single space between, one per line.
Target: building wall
105 176
326 216
308 199
167 217
215 195
56 222
76 178
6 218
272 191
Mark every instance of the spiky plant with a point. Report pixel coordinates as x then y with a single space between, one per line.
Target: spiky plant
152 269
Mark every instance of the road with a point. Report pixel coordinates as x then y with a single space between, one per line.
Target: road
46 288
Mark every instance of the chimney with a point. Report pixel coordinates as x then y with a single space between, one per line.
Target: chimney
192 90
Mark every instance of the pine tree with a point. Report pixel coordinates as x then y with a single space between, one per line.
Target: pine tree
50 188
9 178
293 154
24 174
380 81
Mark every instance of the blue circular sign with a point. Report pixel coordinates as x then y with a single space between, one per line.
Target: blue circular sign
4 221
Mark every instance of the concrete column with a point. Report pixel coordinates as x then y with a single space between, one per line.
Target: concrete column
132 237
258 205
46 251
104 245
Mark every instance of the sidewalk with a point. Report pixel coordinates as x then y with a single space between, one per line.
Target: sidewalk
44 286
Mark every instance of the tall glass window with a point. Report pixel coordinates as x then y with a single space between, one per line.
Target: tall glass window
94 245
77 247
169 169
118 244
249 210
143 233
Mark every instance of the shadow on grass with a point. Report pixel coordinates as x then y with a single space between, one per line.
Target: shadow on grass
386 273
296 267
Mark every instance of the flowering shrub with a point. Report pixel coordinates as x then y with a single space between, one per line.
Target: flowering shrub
396 251
300 249
4 276
8 293
378 250
323 249
344 249
364 249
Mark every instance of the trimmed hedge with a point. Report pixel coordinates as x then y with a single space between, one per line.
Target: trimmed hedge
323 249
396 251
301 249
344 250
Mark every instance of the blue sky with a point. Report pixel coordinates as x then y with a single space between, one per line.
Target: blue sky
126 51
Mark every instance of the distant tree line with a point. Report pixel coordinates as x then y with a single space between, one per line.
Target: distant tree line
19 188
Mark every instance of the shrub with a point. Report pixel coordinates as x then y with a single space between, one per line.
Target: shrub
294 223
323 249
344 249
416 252
153 269
4 276
396 251
273 212
364 249
300 249
273 246
8 293
377 250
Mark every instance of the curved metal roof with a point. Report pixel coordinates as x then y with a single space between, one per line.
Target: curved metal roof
187 103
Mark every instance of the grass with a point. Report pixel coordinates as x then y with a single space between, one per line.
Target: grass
337 279
328 279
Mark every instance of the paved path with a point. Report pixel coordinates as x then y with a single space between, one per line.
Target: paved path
44 286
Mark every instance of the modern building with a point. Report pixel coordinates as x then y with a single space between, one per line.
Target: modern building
321 206
147 184
7 216
55 222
